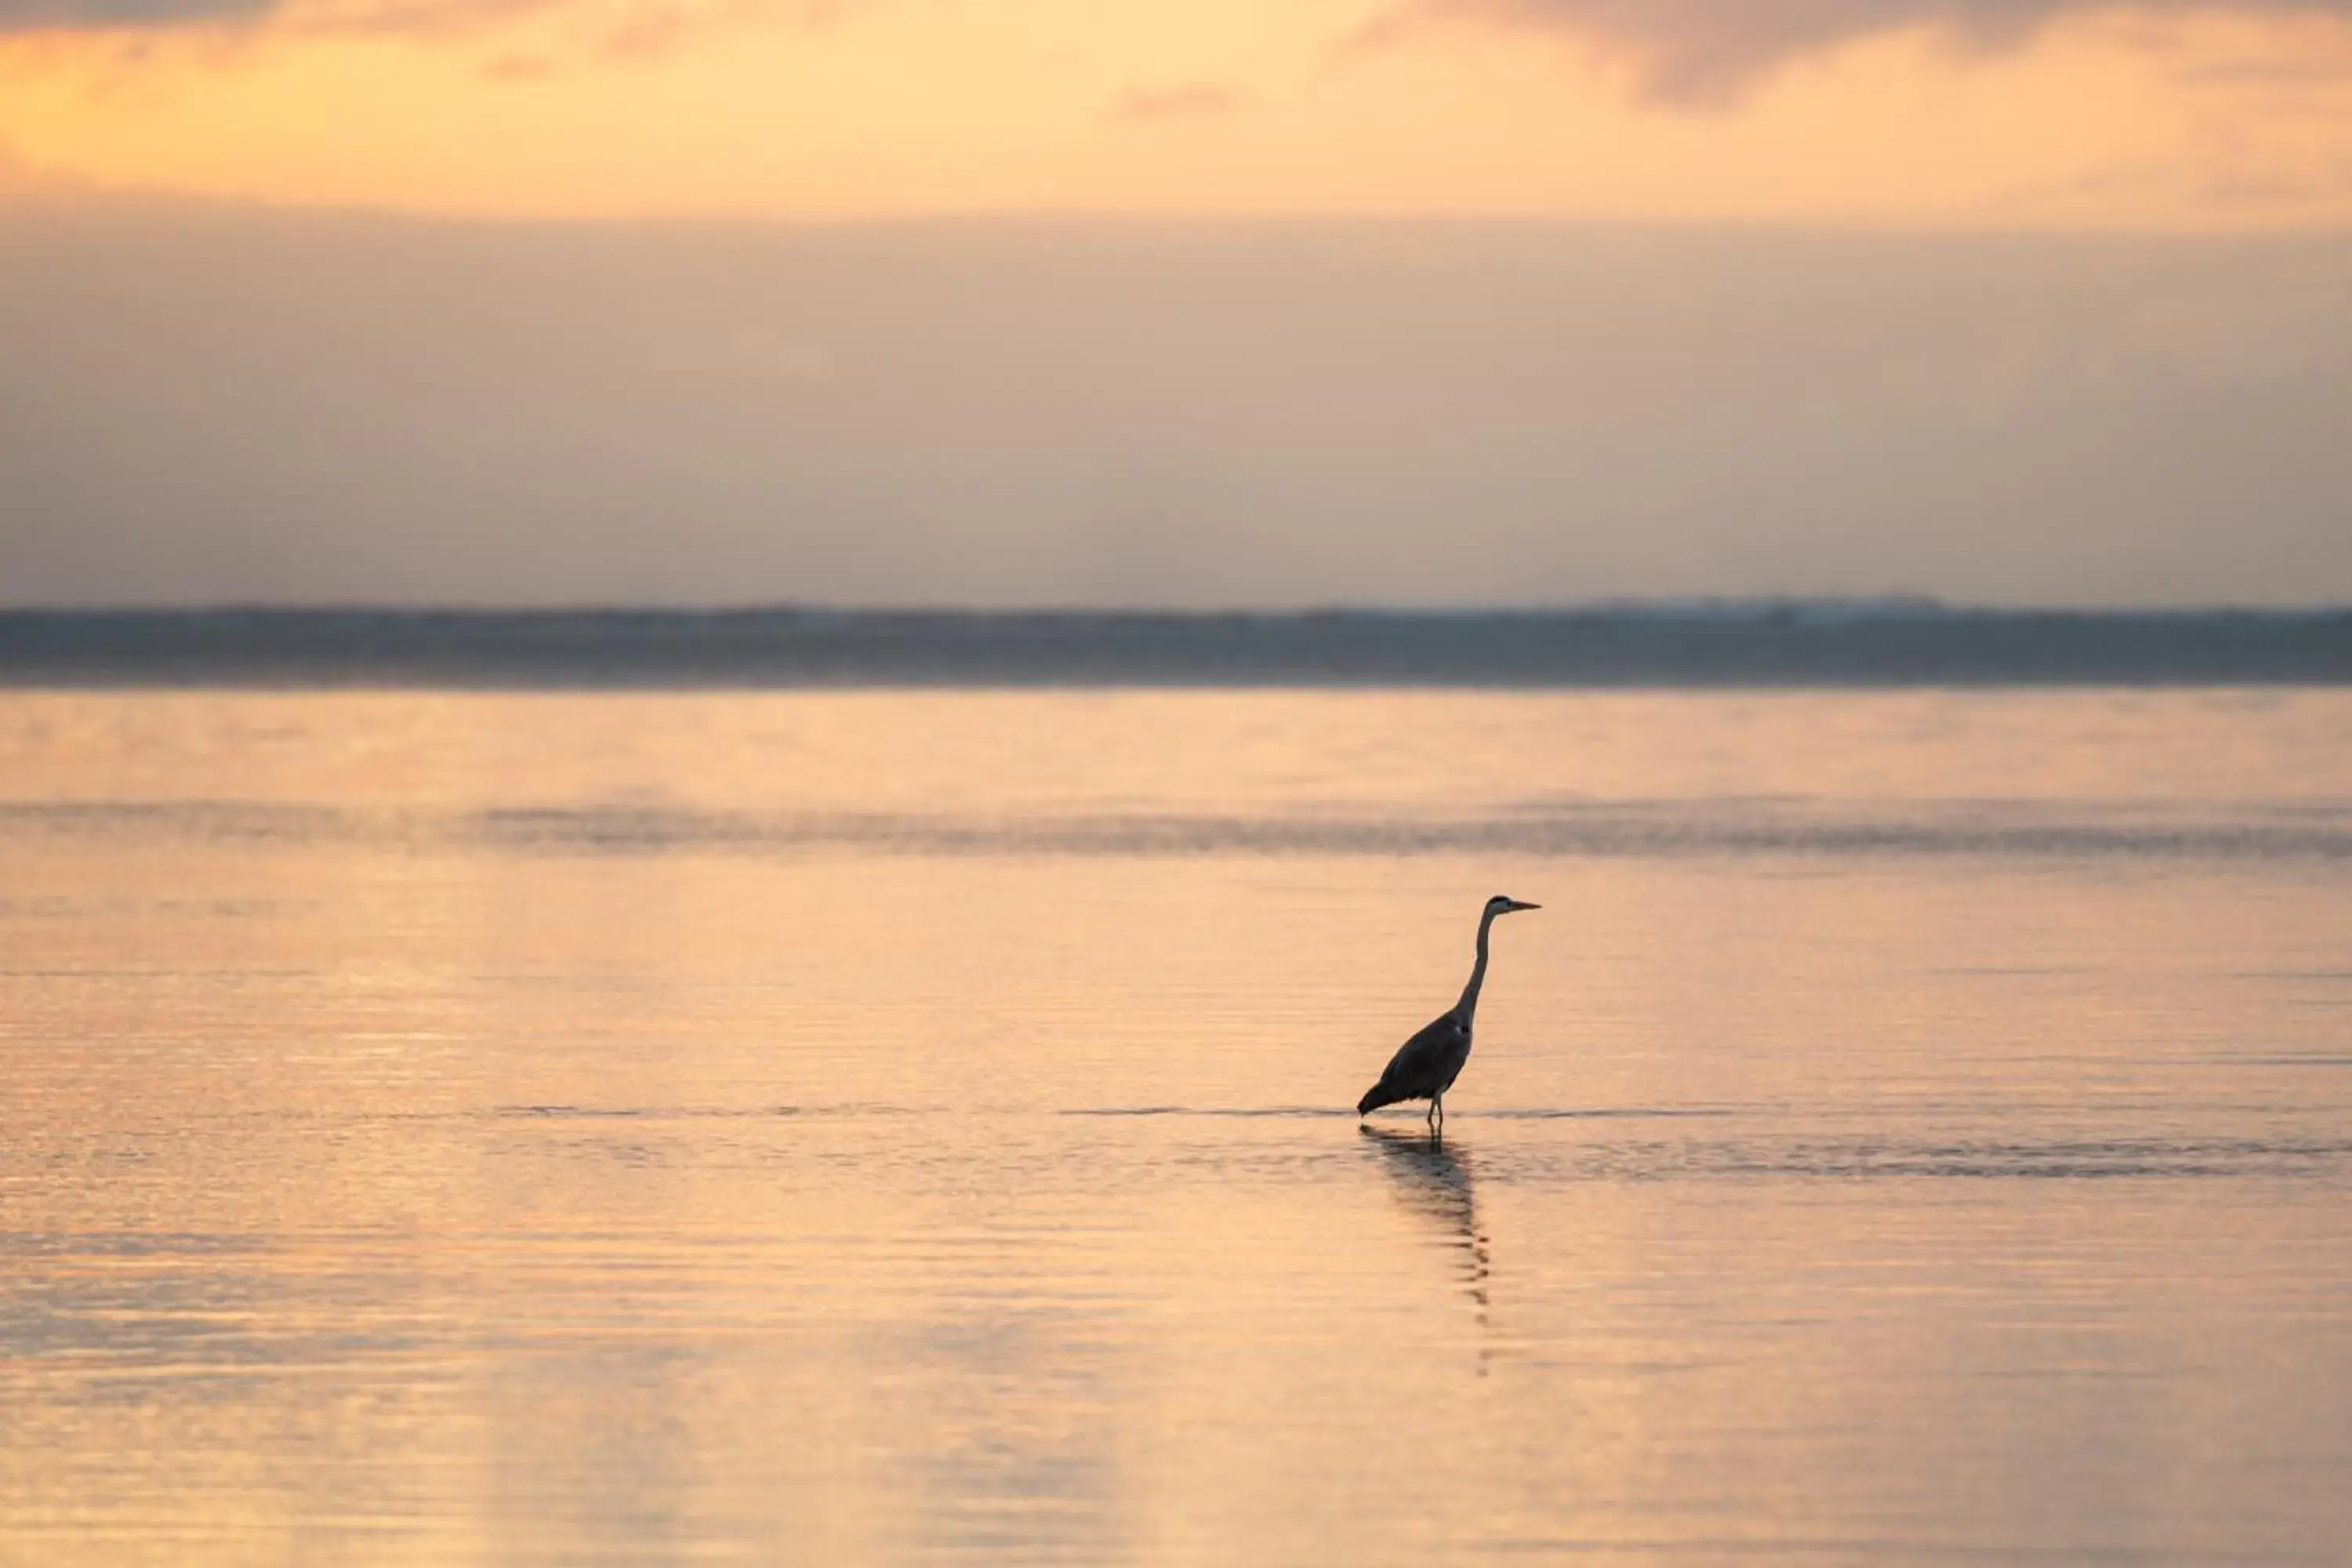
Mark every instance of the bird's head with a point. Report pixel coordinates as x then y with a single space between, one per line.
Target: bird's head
1499 905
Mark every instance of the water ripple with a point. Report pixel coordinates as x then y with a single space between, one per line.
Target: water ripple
1743 827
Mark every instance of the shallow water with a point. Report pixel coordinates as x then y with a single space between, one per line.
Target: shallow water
880 1127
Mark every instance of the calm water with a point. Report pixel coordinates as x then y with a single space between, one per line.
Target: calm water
887 1127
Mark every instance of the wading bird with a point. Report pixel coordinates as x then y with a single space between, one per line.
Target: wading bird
1425 1065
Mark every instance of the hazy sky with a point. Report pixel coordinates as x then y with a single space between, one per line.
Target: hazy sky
1222 302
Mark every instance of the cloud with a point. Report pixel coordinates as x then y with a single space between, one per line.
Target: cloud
121 16
421 18
1708 50
622 29
1195 101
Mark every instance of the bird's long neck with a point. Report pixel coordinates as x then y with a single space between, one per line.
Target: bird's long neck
1469 1002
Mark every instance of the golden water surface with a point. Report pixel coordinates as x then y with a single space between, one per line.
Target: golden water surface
881 1127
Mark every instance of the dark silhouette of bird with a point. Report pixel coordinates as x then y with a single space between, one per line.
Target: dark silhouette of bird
1425 1065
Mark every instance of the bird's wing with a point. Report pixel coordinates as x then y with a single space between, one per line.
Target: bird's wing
1413 1071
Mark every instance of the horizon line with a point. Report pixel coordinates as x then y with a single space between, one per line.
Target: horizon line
1892 605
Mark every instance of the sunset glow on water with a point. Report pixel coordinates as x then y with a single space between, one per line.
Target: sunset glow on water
891 1127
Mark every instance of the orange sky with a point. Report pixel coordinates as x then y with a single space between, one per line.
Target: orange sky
1947 113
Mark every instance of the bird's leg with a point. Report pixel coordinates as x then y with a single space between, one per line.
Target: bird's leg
1437 1116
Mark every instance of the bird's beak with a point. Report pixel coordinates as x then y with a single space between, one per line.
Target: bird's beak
1517 907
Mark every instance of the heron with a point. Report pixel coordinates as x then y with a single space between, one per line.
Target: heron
1425 1065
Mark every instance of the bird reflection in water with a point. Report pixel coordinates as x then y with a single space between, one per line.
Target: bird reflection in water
1437 1182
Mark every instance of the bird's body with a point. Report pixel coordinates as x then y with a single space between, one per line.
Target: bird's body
1425 1065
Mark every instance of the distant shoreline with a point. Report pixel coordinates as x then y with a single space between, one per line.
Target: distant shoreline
1794 644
